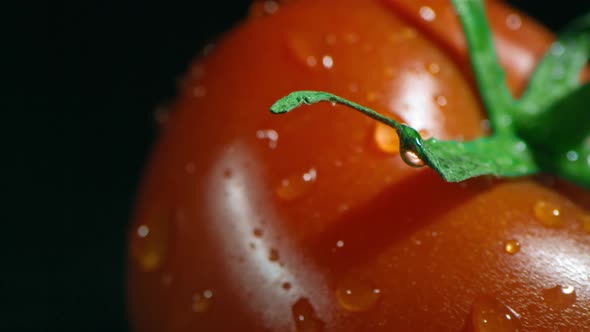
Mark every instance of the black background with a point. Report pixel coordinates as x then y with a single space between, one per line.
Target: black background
81 81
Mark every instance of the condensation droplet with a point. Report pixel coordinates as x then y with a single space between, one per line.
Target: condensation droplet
513 21
386 138
357 295
199 91
339 243
296 185
512 246
258 232
270 135
433 68
572 155
441 101
330 39
557 49
305 317
411 158
490 315
202 301
273 255
351 38
427 13
327 61
560 297
150 244
548 213
286 286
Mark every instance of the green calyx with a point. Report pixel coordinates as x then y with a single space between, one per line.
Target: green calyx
547 129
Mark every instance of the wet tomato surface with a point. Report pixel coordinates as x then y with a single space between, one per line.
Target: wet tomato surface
310 221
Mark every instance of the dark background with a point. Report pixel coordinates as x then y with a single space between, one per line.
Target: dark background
81 81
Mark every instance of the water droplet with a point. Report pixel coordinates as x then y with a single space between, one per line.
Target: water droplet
270 7
351 38
560 297
441 101
286 286
357 296
150 243
296 185
433 68
557 49
330 39
548 213
412 158
513 21
490 315
202 301
571 155
427 13
199 91
386 138
327 61
512 246
270 135
143 231
305 317
273 255
258 232
339 243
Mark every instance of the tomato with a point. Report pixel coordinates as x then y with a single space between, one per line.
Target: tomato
310 221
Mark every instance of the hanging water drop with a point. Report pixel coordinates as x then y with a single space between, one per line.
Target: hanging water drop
412 158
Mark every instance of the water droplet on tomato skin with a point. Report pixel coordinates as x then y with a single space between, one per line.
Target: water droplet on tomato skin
559 297
273 255
150 244
512 247
305 318
296 185
357 296
257 232
286 286
270 135
433 68
427 13
513 21
202 301
327 61
490 315
263 8
548 214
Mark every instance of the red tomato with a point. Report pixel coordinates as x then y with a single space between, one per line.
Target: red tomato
310 221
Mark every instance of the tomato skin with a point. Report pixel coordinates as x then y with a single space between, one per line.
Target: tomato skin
217 234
